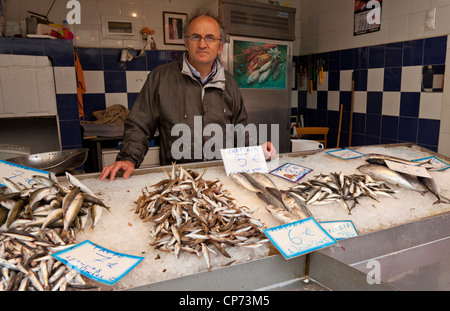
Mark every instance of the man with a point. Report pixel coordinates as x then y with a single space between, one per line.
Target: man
196 87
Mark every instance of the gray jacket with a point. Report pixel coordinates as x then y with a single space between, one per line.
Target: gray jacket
172 96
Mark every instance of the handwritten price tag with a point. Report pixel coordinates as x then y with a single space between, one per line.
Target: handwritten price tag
345 154
244 159
300 237
408 169
19 173
291 172
339 229
98 263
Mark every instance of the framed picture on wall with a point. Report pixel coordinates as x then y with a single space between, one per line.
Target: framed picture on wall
173 27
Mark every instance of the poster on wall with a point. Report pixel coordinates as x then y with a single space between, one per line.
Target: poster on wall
367 16
259 65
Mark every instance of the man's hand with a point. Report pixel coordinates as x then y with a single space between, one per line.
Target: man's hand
112 170
269 150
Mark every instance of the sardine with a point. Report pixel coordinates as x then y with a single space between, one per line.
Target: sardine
244 182
72 210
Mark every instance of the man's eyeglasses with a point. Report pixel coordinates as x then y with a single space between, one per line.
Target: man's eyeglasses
208 39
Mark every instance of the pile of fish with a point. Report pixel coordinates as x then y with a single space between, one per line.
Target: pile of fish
48 204
377 168
344 189
27 265
286 206
191 214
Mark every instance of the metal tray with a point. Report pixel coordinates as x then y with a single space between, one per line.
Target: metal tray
57 162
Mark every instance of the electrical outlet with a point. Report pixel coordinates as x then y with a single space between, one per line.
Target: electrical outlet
430 21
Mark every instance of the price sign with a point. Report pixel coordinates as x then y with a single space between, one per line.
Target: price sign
345 154
291 172
438 165
98 263
19 173
244 159
408 169
339 229
299 237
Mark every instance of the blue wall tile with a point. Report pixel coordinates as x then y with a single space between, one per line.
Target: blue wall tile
155 58
435 50
373 125
322 100
138 64
359 123
429 132
376 56
115 82
334 78
5 45
93 102
70 133
407 129
413 52
374 102
389 127
24 46
347 59
372 140
392 79
394 54
409 104
334 60
90 58
361 58
360 79
61 52
131 99
111 59
67 105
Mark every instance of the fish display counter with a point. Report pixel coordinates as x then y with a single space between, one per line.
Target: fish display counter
161 214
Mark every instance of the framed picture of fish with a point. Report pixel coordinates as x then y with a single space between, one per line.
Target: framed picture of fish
173 27
259 63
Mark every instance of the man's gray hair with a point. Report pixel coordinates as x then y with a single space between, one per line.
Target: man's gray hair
197 13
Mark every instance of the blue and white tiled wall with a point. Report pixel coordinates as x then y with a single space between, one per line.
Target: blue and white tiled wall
61 54
390 105
108 84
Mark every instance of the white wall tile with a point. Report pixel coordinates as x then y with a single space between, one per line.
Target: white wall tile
375 79
398 28
360 101
311 100
444 146
445 115
333 100
391 104
430 105
324 85
116 99
411 79
65 80
294 99
135 80
87 35
345 80
95 81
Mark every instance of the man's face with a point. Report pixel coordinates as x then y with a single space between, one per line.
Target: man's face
203 53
